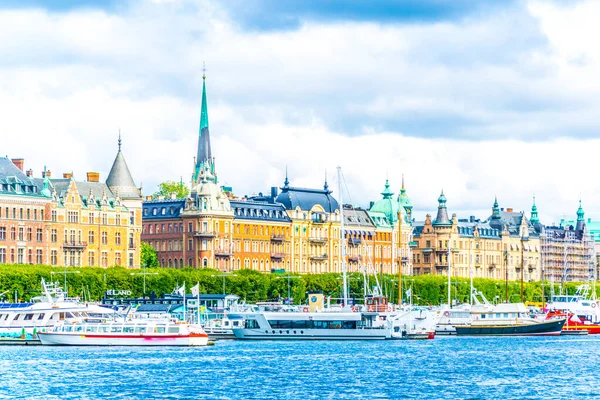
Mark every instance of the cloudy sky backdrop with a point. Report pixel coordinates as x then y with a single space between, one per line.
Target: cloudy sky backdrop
478 99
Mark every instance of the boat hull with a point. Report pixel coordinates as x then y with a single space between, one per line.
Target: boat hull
65 339
549 328
312 334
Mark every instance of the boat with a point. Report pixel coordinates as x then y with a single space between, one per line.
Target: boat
579 304
23 321
575 324
134 332
508 319
450 318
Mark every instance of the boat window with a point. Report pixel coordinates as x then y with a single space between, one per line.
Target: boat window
173 329
505 315
103 329
79 329
159 329
497 315
585 304
482 316
140 329
252 324
128 329
90 328
41 316
70 315
115 329
68 328
28 317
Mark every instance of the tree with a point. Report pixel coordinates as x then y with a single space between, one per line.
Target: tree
180 190
149 258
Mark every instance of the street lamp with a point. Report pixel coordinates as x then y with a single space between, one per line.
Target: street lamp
288 277
224 275
144 275
65 272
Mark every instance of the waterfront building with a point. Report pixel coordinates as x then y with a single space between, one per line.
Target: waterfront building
93 223
568 251
66 222
505 245
24 203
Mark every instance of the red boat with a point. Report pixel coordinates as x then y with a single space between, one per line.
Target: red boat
575 323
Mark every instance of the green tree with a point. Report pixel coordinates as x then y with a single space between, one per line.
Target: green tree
180 190
149 258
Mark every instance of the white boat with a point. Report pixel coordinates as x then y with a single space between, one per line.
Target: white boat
578 304
26 320
310 325
136 332
449 318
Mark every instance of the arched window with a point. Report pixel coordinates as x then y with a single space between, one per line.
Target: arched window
205 262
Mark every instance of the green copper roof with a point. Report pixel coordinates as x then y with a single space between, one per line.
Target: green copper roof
387 205
403 199
204 111
495 209
534 213
580 213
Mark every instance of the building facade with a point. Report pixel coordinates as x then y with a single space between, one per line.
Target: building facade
66 222
504 246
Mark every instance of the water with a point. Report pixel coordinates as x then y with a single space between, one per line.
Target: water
444 368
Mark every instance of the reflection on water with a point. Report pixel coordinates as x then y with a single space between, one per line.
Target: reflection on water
475 368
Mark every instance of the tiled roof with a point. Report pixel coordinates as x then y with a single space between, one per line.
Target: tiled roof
13 181
306 199
162 209
255 210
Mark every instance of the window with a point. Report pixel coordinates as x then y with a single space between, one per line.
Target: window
104 219
131 218
190 245
53 258
131 259
91 237
118 219
104 259
91 259
104 238
91 218
29 234
118 239
2 233
2 256
39 234
13 233
190 229
21 233
117 258
20 256
53 236
54 218
38 256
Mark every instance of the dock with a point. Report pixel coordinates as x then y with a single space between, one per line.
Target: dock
20 342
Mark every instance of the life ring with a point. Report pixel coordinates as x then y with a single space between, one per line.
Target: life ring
305 309
446 313
389 308
593 305
370 308
354 309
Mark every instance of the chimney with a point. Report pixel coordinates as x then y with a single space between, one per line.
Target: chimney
48 174
19 162
67 175
29 173
509 210
148 198
161 197
93 177
274 191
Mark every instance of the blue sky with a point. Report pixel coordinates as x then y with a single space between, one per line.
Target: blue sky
480 98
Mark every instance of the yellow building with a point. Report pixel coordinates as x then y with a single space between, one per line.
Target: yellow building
506 245
91 223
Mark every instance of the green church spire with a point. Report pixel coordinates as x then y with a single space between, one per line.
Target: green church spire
534 213
580 213
495 209
387 193
204 157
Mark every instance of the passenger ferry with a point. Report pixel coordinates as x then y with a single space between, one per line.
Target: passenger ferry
578 304
450 318
137 332
26 320
511 319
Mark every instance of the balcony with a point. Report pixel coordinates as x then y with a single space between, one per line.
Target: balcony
413 244
223 253
317 240
74 245
354 259
278 238
204 234
321 257
277 256
354 241
319 218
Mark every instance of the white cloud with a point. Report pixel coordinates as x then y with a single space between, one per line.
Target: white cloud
349 94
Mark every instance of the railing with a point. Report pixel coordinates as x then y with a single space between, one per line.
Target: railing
317 240
75 245
318 257
222 253
413 244
277 256
354 258
205 234
354 241
277 238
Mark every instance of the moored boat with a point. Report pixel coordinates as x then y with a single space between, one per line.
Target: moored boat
510 319
138 332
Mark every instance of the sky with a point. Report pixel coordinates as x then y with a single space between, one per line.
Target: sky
480 99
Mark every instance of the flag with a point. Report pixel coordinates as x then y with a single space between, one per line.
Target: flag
196 290
408 292
181 290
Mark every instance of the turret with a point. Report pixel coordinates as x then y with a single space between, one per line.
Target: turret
442 214
204 158
580 218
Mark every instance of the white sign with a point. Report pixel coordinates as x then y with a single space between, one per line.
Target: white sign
114 292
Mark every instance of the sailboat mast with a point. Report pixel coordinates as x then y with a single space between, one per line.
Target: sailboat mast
449 275
343 237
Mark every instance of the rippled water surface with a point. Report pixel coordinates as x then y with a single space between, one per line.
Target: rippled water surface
447 367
